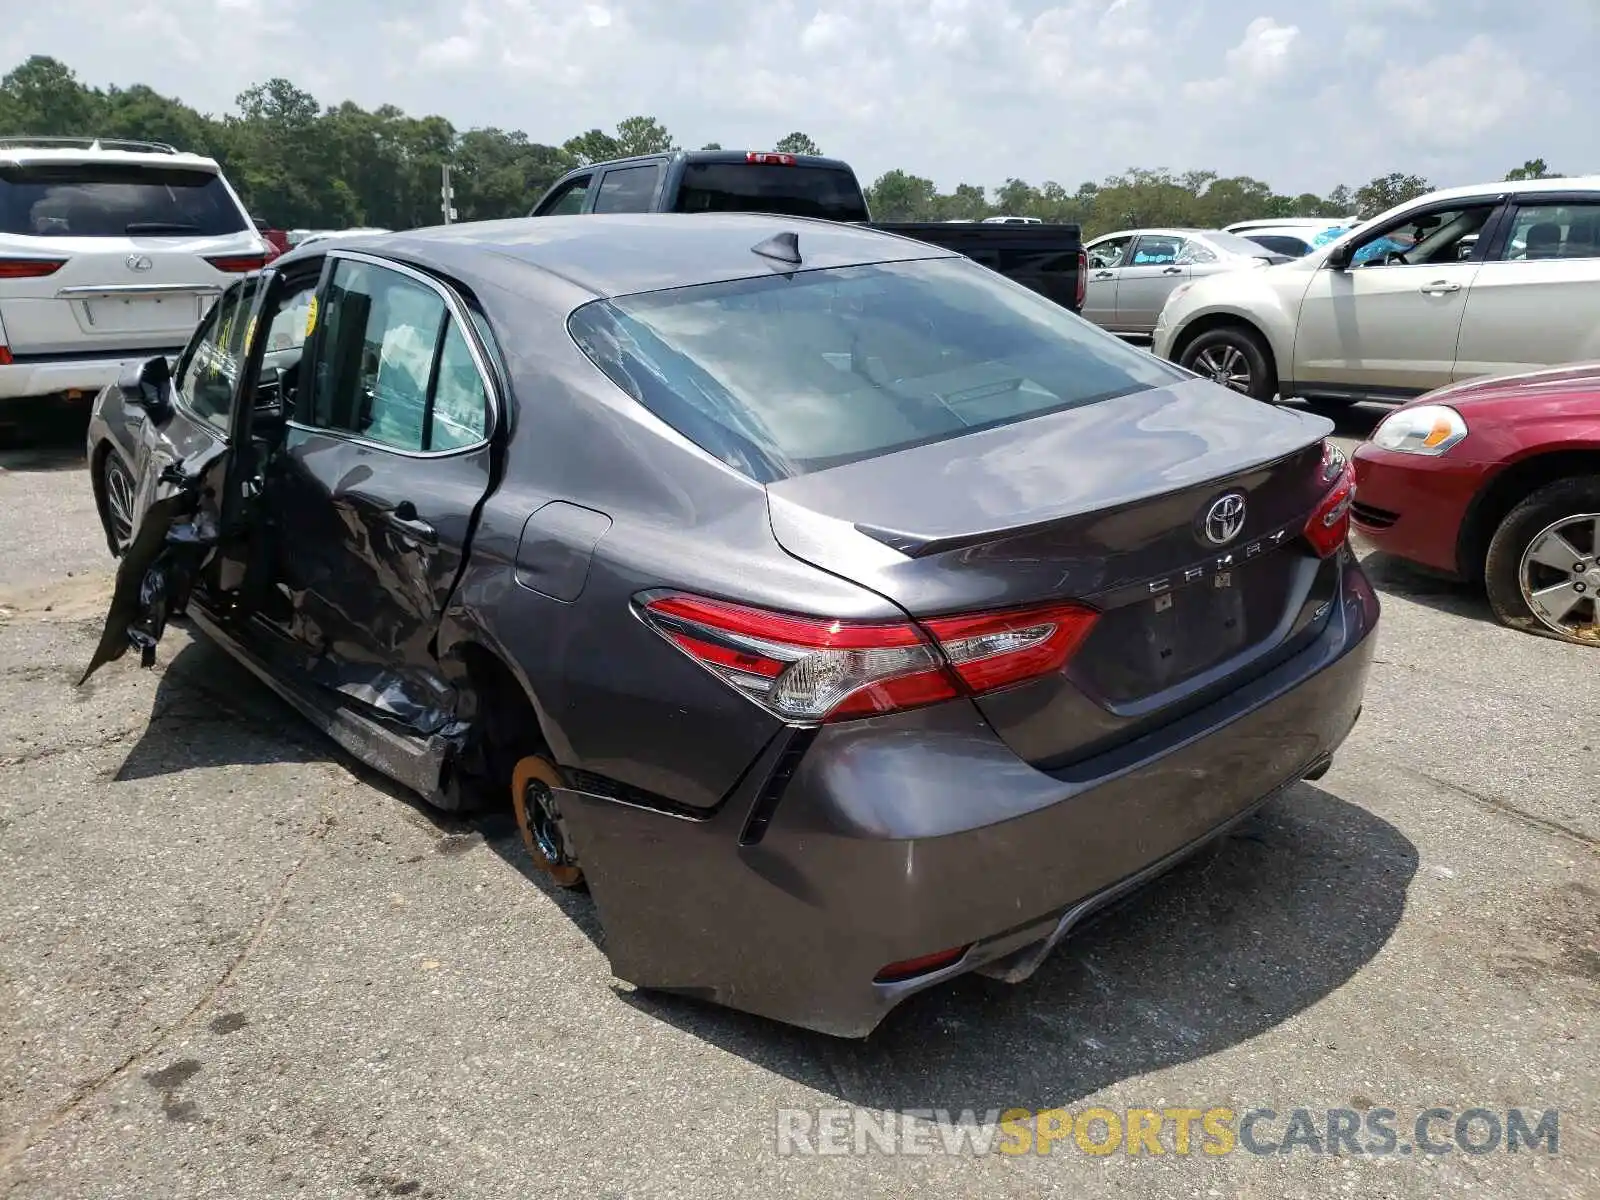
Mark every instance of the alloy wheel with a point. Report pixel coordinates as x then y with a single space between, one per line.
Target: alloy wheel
1560 577
119 501
1226 365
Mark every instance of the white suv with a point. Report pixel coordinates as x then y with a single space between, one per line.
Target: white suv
110 252
1473 281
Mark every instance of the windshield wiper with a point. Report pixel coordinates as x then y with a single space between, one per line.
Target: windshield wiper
161 227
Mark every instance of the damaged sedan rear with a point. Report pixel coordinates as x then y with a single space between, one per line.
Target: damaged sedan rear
845 616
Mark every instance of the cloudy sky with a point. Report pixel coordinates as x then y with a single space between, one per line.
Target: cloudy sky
1302 93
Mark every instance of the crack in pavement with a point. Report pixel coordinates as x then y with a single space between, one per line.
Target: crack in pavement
1506 808
13 1148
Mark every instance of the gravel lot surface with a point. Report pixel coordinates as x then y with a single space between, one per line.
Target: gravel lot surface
233 963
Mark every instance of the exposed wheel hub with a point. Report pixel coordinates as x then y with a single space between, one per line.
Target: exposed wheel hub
534 784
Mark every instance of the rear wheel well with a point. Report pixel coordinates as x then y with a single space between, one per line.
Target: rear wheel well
1504 492
505 725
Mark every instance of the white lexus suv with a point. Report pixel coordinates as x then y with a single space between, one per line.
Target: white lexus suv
110 252
1489 280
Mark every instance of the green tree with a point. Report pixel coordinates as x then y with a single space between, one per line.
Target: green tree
643 135
797 143
43 97
1534 168
1386 191
712 146
594 146
899 196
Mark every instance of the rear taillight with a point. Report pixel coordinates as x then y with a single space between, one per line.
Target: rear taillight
807 670
237 264
1329 525
5 356
30 268
1083 278
770 158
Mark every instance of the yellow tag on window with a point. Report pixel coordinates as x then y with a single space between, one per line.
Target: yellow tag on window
311 316
250 335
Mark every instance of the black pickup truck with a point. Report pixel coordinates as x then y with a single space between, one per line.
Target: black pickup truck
1047 258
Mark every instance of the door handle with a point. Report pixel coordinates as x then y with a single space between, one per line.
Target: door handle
1439 287
1103 275
403 516
1173 271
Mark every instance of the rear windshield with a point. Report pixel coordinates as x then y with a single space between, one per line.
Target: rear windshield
786 374
828 193
1233 243
93 200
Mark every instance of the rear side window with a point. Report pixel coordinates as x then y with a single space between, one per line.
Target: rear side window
393 366
627 189
113 200
828 193
1280 244
782 375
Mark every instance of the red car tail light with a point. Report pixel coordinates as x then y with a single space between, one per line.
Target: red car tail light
238 264
807 669
5 355
1329 524
30 268
770 158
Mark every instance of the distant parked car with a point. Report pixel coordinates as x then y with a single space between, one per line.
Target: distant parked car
1497 480
110 251
1486 280
322 235
1013 221
1131 272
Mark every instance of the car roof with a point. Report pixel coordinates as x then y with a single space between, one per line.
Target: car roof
1514 187
1157 231
618 254
28 152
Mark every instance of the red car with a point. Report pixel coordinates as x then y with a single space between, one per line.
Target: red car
1496 480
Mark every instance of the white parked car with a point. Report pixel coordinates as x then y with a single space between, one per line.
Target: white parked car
110 251
1132 271
1485 280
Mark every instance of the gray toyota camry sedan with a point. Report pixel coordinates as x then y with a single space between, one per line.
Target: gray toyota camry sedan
843 615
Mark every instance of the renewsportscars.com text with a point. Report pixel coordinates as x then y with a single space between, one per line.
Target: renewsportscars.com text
1211 1131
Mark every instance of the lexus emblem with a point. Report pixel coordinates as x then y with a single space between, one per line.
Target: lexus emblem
138 262
1224 519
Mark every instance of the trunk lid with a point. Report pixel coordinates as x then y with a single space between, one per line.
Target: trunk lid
1106 504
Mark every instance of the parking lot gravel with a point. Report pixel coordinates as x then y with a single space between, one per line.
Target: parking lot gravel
235 963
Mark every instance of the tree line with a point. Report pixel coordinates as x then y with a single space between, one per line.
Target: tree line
298 163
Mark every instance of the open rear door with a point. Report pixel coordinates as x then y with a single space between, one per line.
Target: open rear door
197 473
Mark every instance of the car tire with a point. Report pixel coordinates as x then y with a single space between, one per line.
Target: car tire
1235 358
118 490
544 833
1515 570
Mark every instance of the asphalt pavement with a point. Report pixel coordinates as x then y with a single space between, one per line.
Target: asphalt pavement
233 963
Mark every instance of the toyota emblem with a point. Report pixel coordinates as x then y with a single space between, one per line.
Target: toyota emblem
138 262
1224 519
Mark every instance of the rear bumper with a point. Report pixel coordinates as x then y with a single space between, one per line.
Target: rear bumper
46 376
885 848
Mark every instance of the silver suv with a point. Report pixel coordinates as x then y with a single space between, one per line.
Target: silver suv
110 251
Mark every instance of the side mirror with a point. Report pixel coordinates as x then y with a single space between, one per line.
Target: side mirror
145 386
1339 260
